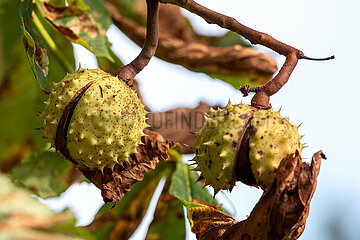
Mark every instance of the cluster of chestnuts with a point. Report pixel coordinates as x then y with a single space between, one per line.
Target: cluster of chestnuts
106 120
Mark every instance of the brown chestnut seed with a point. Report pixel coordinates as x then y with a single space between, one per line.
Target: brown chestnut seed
243 171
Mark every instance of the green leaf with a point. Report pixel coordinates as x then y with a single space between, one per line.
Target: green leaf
50 55
133 9
183 186
122 221
61 61
80 4
82 22
20 97
229 39
20 101
251 79
36 54
110 66
24 217
169 219
46 173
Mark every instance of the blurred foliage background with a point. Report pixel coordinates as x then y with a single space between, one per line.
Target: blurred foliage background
36 49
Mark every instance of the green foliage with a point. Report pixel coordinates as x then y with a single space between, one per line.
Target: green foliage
169 220
36 42
36 53
251 79
43 47
19 96
185 187
123 220
82 22
50 173
229 39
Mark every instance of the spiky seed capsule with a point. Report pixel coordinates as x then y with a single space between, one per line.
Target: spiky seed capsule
108 113
269 138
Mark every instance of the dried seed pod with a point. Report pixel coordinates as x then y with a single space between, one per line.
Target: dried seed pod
243 143
106 119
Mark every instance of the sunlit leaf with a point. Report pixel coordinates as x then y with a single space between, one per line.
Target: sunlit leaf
45 173
207 222
36 53
82 22
169 220
110 66
20 96
184 186
50 55
60 50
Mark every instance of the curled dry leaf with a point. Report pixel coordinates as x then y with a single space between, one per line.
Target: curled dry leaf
179 124
281 212
175 24
122 222
235 61
114 183
207 222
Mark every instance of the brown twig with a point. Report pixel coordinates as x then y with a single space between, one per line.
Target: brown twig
273 86
128 72
255 37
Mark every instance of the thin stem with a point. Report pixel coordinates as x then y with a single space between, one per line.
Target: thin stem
273 86
51 44
262 97
319 59
128 72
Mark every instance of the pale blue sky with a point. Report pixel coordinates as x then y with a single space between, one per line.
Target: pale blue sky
321 95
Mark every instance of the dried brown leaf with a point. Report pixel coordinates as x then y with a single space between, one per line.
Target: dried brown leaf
175 24
122 221
209 223
281 212
81 25
114 183
52 13
179 124
234 61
